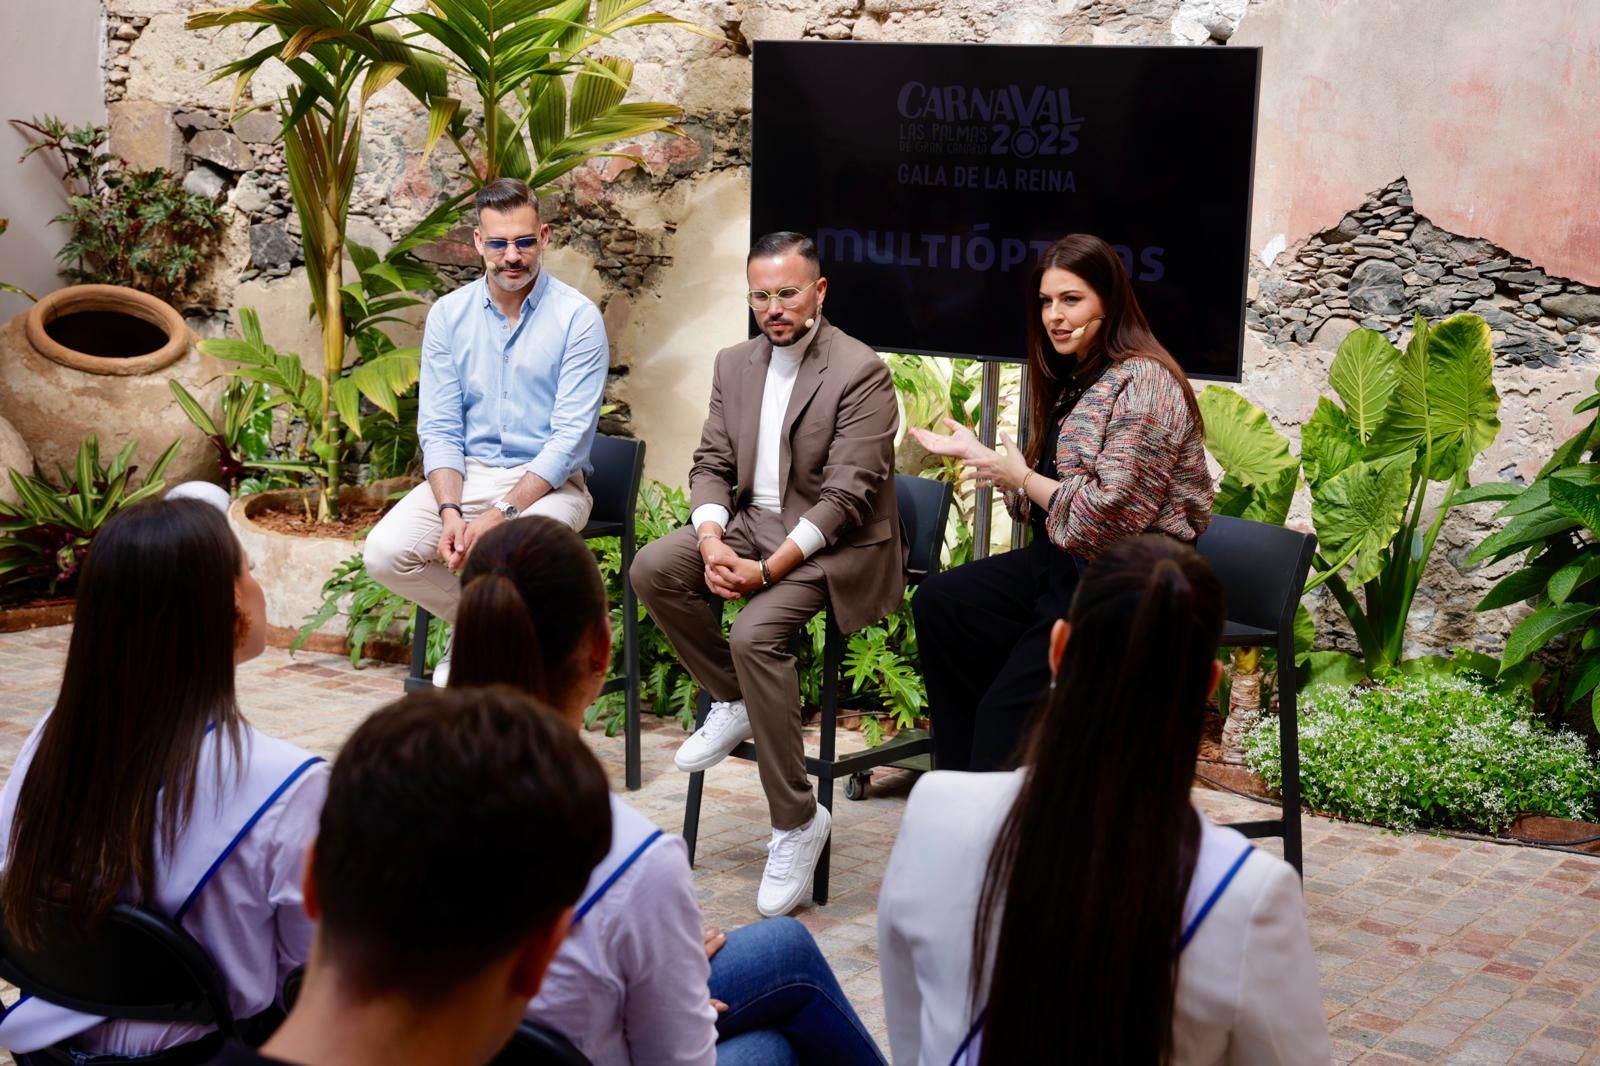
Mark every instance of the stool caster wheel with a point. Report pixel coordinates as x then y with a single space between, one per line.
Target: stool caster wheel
855 786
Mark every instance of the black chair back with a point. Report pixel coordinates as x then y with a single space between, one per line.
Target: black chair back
1262 567
535 1045
141 966
924 510
614 484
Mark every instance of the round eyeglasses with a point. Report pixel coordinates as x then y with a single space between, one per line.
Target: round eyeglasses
788 298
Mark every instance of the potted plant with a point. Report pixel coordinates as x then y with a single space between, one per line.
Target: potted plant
99 352
46 527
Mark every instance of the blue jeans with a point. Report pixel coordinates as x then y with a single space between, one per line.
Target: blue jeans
782 996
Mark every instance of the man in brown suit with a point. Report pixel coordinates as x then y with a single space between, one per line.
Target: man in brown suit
794 508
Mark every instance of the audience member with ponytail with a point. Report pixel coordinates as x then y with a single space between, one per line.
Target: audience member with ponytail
1085 911
639 979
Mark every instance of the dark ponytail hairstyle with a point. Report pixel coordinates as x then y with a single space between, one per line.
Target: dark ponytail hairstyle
149 670
1125 334
529 594
1083 900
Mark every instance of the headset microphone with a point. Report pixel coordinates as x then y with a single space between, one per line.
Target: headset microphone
1077 333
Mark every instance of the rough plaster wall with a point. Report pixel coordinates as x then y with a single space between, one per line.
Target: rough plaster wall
1491 110
1475 104
51 64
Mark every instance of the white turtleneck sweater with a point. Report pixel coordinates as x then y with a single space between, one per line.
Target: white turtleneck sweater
766 485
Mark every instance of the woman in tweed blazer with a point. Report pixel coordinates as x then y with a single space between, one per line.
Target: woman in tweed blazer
1119 450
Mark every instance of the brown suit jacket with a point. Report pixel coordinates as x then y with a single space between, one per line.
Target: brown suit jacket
836 462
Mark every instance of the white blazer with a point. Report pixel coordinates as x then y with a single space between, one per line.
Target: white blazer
1247 982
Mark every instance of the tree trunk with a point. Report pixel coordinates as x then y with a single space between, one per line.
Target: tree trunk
1244 703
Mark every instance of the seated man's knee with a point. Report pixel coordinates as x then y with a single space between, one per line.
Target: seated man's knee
645 572
383 554
752 639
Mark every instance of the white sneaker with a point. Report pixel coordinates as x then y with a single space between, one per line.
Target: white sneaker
727 726
792 858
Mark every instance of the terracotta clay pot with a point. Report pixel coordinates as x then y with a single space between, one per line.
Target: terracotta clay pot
96 359
292 569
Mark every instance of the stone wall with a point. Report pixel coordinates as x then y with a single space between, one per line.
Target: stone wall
1386 182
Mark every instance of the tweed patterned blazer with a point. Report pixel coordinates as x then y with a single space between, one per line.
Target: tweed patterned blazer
1131 459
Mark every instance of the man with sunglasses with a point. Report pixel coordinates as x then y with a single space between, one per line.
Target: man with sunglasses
794 509
513 372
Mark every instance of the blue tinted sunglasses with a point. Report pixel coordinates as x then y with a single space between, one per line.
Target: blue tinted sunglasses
498 245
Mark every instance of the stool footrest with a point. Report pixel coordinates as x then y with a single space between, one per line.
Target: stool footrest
1272 827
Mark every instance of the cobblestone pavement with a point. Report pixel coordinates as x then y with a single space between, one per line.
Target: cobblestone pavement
1431 949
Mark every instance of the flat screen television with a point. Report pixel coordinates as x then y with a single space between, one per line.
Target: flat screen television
932 175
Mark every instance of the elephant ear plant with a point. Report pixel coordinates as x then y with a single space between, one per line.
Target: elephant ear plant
1554 523
1403 422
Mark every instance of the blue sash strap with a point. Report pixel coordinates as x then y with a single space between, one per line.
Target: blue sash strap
966 1041
1211 900
229 850
622 868
1188 935
240 835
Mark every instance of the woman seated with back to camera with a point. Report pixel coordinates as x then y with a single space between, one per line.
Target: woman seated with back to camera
145 784
639 979
1086 911
1118 450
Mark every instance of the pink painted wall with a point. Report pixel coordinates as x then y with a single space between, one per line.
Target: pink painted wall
1490 108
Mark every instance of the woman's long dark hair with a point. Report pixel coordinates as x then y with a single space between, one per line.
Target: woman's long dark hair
1083 899
1125 333
529 594
149 668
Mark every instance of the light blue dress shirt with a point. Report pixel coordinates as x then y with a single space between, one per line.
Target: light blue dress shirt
526 395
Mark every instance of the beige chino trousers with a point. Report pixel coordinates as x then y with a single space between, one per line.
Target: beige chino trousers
402 551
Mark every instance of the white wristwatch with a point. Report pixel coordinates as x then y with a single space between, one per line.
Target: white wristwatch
507 508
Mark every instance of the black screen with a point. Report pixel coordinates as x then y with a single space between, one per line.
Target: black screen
933 175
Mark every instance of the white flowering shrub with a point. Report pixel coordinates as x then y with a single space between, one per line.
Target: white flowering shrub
1430 753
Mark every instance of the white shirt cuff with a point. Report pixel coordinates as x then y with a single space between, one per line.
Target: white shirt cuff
808 538
709 512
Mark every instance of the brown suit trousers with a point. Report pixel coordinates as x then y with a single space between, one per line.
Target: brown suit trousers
836 463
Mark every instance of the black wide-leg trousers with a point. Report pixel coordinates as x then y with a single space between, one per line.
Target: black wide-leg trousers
983 634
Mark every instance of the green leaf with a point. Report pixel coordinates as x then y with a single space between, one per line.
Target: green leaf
347 401
384 379
1572 577
1365 374
1463 413
1519 585
1541 627
1584 679
1522 532
1329 442
1232 497
1305 633
1489 490
1270 503
191 408
1446 405
1241 439
1336 668
1358 512
1578 502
